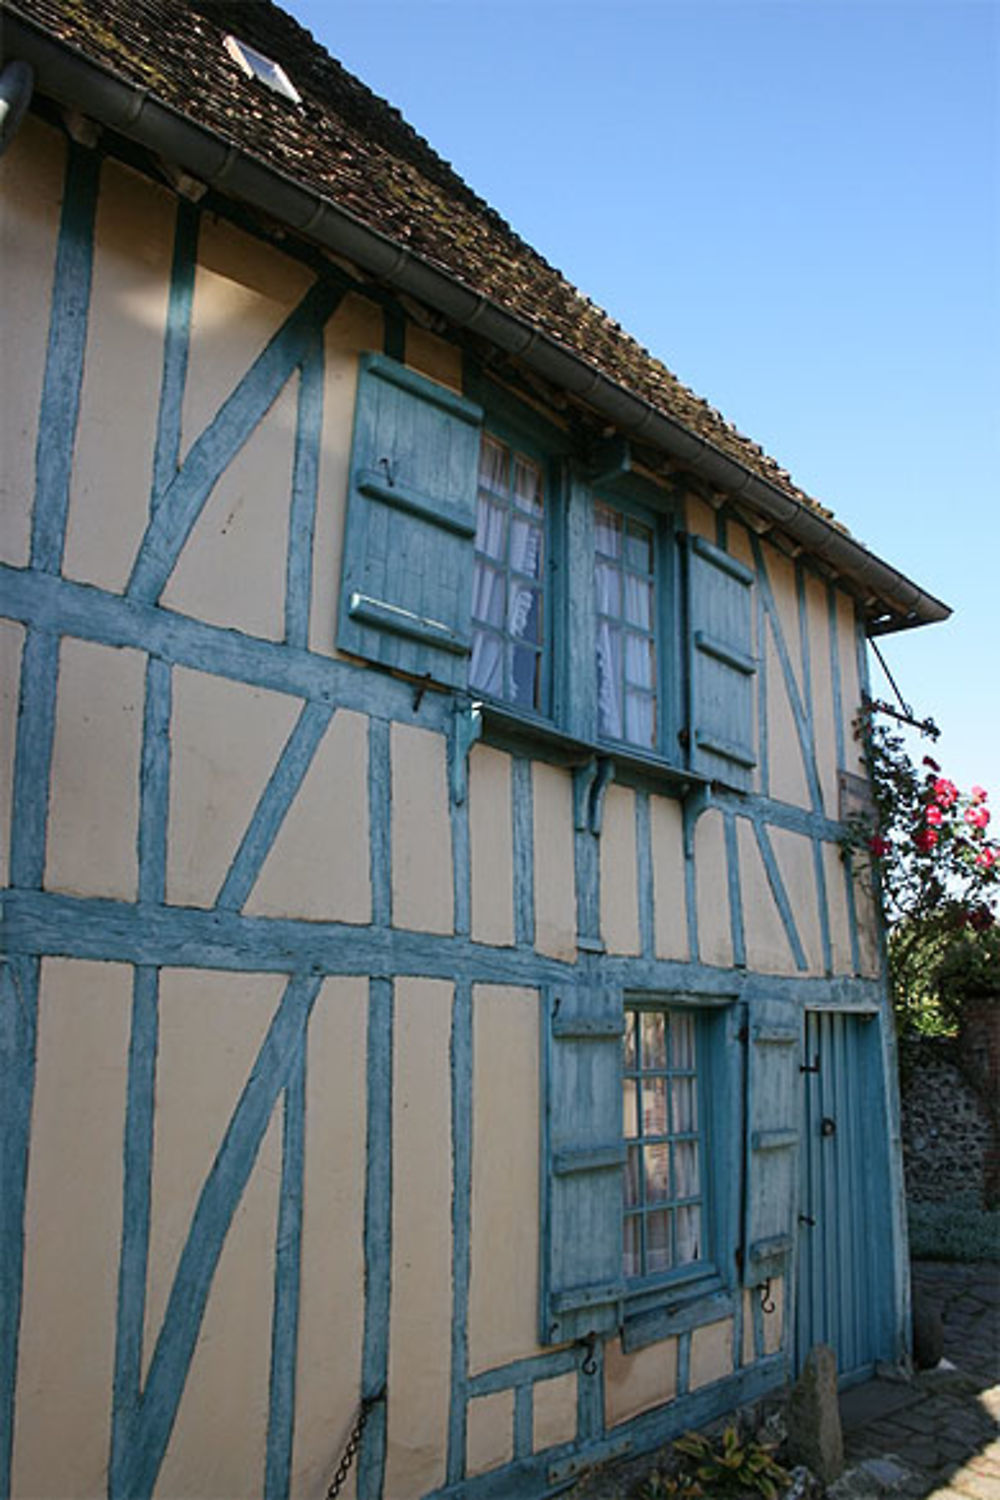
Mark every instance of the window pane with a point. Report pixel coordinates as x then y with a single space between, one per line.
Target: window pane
509 551
493 466
632 1187
489 592
607 581
491 529
607 531
658 1241
486 666
525 619
527 485
638 660
524 675
638 602
688 1234
631 1022
633 1246
656 1165
631 1108
639 547
682 1039
686 1169
654 1039
526 548
685 1101
609 703
640 718
654 1106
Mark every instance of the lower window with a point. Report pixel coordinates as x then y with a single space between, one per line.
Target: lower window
666 1204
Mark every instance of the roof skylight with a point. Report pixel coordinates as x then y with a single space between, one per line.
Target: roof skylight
264 69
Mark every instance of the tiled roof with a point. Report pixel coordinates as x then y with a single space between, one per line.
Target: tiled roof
347 144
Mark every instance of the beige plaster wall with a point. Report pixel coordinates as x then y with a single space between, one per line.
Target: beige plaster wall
11 645
231 570
420 1316
491 846
554 1411
225 741
318 867
503 1298
433 356
767 947
422 894
211 1027
836 900
72 1232
850 685
31 187
796 864
119 400
555 891
818 616
714 932
619 873
331 1308
243 291
635 1382
354 327
489 1437
711 1353
94 797
669 883
786 770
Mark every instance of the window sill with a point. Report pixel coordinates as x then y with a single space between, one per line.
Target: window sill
652 1316
520 732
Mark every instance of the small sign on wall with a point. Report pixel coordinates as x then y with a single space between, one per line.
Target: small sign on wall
856 799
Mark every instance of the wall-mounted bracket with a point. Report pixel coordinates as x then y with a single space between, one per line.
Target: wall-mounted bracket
466 729
697 801
590 785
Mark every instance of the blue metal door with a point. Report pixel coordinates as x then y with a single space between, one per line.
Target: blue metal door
843 1284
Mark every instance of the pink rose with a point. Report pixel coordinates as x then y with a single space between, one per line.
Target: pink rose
978 794
977 816
945 791
986 858
934 815
878 847
925 839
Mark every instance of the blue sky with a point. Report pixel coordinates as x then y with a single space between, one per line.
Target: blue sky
795 204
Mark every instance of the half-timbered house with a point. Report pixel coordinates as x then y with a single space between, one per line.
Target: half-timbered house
433 987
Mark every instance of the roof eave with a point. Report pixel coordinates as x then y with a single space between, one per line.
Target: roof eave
64 73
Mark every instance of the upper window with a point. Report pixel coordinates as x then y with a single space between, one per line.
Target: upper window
624 618
481 558
508 605
664 1197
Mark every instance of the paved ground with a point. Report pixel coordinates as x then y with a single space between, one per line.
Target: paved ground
938 1436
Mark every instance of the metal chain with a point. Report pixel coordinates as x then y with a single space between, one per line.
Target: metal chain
352 1445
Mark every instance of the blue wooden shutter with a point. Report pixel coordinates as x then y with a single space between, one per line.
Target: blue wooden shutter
582 1271
722 664
772 1137
406 581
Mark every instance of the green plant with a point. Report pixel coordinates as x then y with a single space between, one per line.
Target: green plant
954 1231
732 1466
969 970
659 1486
924 844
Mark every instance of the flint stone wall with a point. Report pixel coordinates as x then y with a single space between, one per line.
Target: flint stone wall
950 1114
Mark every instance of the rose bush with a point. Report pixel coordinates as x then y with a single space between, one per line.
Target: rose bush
927 848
